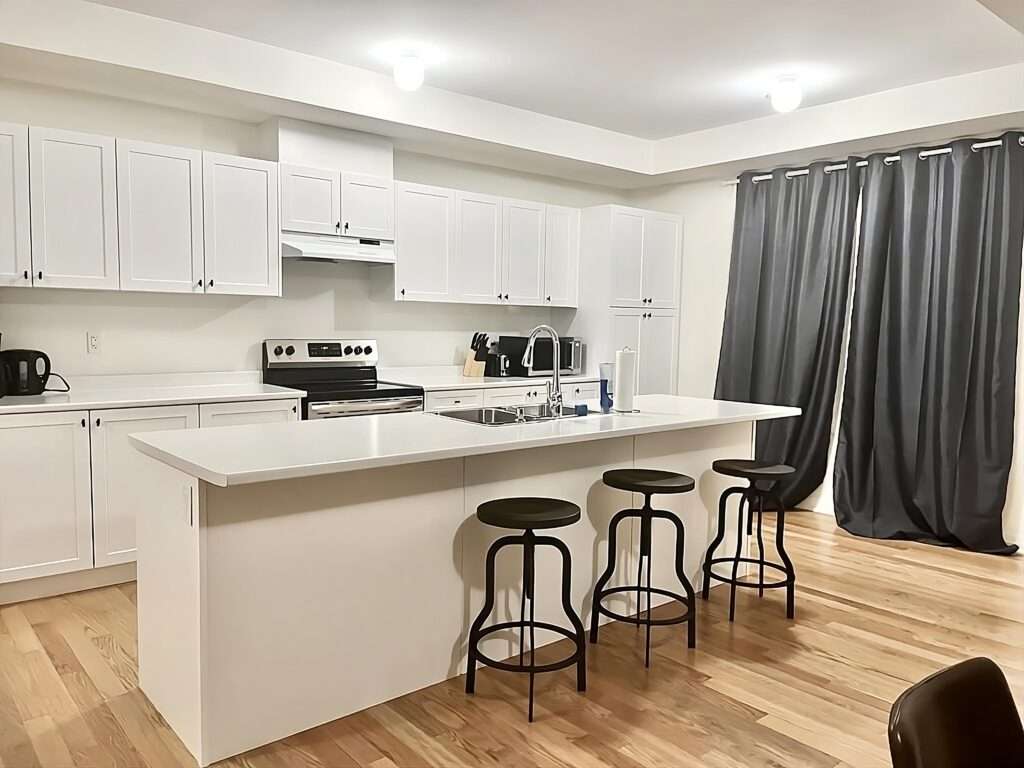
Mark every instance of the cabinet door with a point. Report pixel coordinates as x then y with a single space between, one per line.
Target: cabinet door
159 217
73 209
45 514
367 206
310 200
424 242
243 252
476 266
259 412
523 252
662 244
625 332
561 256
15 245
123 479
626 249
656 363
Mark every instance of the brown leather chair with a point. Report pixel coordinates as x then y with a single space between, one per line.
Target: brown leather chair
960 717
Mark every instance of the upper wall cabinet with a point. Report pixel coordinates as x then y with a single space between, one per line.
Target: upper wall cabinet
242 236
367 206
523 252
425 242
160 217
310 200
326 202
15 244
642 251
73 209
476 265
561 256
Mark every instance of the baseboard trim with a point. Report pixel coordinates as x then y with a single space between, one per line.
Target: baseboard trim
63 583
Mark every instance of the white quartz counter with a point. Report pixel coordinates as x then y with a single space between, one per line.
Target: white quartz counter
436 378
228 456
135 391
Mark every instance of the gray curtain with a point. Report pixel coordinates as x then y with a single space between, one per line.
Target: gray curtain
926 432
788 285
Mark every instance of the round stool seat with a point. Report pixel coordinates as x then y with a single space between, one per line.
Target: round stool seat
648 481
528 513
750 469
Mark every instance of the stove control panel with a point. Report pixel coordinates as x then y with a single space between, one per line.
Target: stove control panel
311 352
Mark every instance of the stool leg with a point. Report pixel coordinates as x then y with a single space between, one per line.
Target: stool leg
744 502
705 589
645 551
760 544
691 597
478 623
780 526
570 612
533 662
613 527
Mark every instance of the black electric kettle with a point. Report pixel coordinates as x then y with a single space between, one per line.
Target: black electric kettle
26 371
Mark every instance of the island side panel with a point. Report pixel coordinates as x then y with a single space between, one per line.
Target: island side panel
167 535
326 595
571 472
691 451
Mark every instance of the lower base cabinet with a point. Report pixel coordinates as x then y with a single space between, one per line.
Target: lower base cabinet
45 509
71 484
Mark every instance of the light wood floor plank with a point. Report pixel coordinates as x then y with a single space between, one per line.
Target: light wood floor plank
872 617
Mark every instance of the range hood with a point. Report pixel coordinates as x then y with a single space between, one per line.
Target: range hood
331 248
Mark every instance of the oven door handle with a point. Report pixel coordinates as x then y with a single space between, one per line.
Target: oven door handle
364 407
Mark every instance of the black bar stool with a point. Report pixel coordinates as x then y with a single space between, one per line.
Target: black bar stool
648 482
528 514
764 480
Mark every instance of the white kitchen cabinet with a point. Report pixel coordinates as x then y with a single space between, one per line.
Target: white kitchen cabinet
124 480
561 256
242 238
453 398
476 264
367 206
160 217
258 412
310 200
580 392
15 244
45 511
497 397
652 333
523 238
662 246
626 245
73 200
424 242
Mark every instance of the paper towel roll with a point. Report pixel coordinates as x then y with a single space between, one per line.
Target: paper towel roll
625 380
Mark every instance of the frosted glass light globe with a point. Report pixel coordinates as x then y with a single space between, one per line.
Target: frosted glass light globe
786 94
409 72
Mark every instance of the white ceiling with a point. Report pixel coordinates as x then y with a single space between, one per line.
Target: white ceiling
649 68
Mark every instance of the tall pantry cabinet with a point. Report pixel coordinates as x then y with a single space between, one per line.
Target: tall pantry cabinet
632 287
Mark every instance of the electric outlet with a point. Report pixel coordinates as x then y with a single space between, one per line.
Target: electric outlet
92 343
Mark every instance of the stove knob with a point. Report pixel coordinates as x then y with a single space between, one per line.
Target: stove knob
368 350
348 350
278 350
290 350
359 350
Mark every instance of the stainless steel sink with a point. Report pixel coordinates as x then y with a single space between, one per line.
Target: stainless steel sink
494 417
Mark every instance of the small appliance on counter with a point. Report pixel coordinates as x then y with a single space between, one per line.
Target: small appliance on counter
496 365
571 357
339 377
26 372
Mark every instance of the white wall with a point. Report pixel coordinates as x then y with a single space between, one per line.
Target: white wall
152 333
707 209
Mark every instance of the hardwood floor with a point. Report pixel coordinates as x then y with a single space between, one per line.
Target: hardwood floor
872 617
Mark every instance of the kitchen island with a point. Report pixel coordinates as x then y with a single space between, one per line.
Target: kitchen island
295 573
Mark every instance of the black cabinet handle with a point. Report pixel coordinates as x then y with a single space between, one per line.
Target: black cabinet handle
403 291
506 297
549 298
40 274
97 421
83 423
211 284
346 226
499 297
199 284
338 226
26 274
294 409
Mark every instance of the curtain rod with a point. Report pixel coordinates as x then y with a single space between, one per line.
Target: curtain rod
863 163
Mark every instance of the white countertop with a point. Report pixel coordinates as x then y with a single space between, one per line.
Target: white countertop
435 378
131 391
250 454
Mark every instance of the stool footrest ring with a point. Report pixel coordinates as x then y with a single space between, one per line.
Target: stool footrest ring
753 584
638 619
508 666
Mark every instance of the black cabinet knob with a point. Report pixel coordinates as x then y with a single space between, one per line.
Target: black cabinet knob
211 283
346 226
199 284
506 297
403 291
549 298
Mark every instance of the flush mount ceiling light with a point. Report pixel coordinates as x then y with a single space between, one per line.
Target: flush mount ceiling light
786 94
408 72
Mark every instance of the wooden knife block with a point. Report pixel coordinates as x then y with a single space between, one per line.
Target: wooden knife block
473 368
